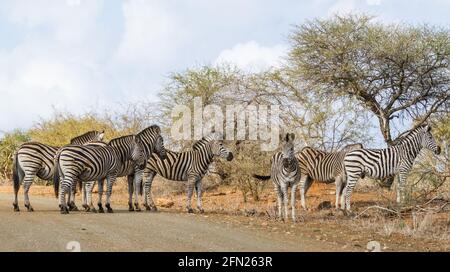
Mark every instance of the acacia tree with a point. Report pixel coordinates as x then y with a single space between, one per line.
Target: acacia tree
394 71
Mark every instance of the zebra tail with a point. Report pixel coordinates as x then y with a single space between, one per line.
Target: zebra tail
56 176
16 169
260 177
141 192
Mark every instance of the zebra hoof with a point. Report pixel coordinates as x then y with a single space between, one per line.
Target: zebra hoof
130 207
29 208
72 206
92 210
64 210
85 207
16 208
190 210
100 210
108 208
201 210
138 209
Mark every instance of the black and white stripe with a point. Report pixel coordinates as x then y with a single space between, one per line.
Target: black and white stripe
285 173
36 159
321 166
87 163
382 163
152 142
190 166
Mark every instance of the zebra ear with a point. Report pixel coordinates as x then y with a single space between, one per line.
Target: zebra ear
428 128
292 136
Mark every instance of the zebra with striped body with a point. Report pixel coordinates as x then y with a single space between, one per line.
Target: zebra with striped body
324 167
87 163
190 166
152 142
36 159
382 163
285 172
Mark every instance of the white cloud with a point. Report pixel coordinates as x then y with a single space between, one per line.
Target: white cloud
373 2
342 7
252 56
151 34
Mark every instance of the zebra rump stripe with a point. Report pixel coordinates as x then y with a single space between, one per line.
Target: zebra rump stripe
188 166
321 166
36 159
87 163
382 163
285 172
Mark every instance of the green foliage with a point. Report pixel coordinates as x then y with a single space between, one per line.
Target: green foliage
8 145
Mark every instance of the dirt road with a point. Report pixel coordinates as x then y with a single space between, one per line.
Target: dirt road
47 230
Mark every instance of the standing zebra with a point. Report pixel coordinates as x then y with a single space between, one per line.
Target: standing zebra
86 163
152 143
323 167
190 166
36 159
285 172
382 163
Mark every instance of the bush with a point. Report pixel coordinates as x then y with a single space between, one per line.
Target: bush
8 145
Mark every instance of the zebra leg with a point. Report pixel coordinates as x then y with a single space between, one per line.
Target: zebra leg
401 186
16 192
71 200
293 189
88 188
137 179
284 188
109 184
305 183
26 187
65 187
339 187
16 202
84 195
351 182
279 193
100 195
198 189
130 193
190 188
149 204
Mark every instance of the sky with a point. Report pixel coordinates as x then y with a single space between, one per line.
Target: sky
81 55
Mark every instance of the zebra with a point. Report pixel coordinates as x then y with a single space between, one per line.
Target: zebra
36 159
189 166
382 163
152 143
322 166
285 172
87 163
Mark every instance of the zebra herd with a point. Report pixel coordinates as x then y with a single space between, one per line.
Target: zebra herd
88 159
344 168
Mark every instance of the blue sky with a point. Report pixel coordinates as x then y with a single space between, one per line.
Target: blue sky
78 55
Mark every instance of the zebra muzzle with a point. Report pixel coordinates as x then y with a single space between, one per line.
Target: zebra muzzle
438 150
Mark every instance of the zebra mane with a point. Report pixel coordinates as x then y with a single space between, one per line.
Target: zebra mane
91 133
352 146
149 130
203 141
121 139
407 135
